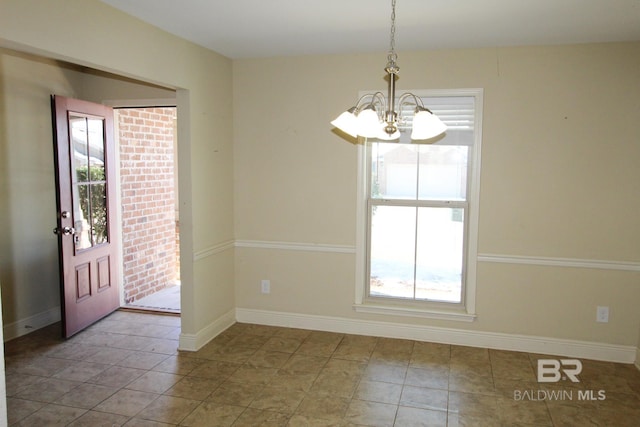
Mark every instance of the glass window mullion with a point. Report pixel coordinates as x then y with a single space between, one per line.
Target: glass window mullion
415 239
90 212
420 203
415 256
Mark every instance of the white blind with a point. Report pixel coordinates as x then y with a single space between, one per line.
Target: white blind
456 112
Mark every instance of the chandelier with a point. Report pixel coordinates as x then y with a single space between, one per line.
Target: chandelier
373 116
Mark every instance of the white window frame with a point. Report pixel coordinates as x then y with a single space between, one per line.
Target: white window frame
466 310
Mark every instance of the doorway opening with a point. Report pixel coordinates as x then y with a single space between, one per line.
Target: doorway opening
150 216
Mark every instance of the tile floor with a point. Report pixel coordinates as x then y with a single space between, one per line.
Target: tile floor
125 370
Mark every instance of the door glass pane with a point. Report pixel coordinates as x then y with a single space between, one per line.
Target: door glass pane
96 149
443 172
439 254
99 213
89 196
79 142
392 251
81 212
394 171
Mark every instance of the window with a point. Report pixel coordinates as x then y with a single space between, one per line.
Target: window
419 202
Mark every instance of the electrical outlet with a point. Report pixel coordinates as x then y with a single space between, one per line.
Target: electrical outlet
602 314
266 286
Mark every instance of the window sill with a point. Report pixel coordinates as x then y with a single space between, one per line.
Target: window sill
426 313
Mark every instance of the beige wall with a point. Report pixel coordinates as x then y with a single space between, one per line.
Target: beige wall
559 179
29 255
114 42
638 353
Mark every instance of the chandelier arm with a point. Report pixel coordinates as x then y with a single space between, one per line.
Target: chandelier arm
376 101
403 99
359 104
376 98
381 100
416 100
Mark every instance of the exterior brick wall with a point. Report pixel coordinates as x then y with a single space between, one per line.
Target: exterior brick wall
149 226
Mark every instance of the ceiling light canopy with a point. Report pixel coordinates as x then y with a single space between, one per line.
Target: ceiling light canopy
373 116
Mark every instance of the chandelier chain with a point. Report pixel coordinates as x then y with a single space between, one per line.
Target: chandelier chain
392 56
392 43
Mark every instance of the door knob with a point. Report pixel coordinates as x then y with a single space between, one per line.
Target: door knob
65 231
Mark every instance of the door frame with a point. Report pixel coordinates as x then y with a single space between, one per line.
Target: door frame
129 103
183 102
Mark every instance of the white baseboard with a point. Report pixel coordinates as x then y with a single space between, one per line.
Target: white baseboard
498 341
194 342
24 326
638 358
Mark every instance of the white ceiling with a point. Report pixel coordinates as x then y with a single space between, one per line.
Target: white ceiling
262 28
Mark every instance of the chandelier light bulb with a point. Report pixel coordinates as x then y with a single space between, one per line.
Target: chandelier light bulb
347 122
426 125
369 123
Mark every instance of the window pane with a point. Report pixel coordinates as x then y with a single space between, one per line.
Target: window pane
394 171
439 254
81 216
99 213
96 149
392 251
443 172
80 157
